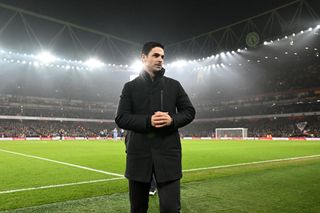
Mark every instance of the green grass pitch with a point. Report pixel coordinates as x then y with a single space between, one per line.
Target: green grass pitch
219 176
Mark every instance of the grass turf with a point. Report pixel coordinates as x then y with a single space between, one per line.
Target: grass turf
248 188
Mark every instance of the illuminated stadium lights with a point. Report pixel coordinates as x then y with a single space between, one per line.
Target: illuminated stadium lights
47 60
137 66
179 63
46 57
36 64
94 63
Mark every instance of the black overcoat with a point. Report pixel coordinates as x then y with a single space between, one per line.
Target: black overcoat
151 149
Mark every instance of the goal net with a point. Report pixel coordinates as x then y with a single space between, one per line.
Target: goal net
231 132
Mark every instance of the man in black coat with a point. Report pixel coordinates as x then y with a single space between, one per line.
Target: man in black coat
152 107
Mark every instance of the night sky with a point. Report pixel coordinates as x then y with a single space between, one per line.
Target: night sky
139 21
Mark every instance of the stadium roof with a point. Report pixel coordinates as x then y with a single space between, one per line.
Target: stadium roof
115 30
142 20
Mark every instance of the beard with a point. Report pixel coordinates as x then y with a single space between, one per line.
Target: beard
157 67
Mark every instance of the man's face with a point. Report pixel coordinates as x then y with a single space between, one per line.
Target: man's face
154 60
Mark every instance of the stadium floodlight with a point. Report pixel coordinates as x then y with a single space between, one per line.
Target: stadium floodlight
36 64
94 63
46 57
137 65
179 63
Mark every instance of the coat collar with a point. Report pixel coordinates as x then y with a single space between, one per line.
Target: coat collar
145 75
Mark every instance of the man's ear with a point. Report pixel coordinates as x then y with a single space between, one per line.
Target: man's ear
143 57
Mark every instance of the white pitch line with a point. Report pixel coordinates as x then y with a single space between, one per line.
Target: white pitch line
63 163
250 163
59 185
187 170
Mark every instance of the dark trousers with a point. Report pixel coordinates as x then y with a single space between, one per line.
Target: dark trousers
169 196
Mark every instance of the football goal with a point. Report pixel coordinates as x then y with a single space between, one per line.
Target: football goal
231 132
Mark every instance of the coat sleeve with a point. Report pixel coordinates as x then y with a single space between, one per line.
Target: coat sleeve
125 119
186 111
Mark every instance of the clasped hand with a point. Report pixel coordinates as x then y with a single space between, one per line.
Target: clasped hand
161 119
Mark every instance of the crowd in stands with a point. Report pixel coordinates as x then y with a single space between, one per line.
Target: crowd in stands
275 127
18 128
279 103
60 113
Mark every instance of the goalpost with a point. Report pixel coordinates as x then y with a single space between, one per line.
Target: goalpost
231 133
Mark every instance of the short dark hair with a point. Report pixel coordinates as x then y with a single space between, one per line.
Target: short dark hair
147 47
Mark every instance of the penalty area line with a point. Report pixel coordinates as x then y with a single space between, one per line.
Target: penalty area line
250 163
59 185
63 163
